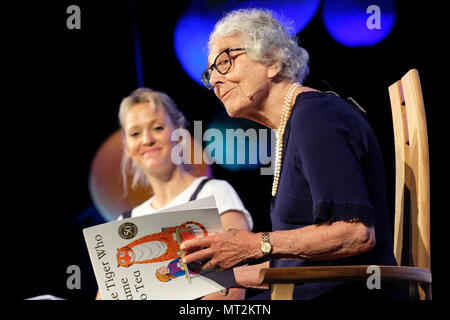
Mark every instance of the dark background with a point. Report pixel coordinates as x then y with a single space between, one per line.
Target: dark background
60 95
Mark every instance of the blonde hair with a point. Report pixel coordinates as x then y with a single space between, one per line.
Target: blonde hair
156 100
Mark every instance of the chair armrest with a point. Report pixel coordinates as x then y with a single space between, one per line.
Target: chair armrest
341 273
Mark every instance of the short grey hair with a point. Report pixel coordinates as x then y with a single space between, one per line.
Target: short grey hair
266 40
156 100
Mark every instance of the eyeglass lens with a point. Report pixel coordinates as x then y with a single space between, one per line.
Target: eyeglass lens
222 63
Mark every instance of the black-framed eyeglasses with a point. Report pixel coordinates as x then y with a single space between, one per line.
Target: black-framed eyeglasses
222 63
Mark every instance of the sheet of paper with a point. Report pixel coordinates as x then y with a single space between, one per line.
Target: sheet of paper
203 203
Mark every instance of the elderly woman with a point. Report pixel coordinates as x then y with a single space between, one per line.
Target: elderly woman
147 120
329 204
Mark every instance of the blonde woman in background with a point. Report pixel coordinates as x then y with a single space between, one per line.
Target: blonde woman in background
147 120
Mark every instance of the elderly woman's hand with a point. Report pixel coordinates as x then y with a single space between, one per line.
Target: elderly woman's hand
224 250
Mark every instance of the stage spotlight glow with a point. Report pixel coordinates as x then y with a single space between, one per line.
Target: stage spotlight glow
191 43
238 144
358 23
193 28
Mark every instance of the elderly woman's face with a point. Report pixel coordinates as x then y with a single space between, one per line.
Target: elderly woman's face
244 85
148 134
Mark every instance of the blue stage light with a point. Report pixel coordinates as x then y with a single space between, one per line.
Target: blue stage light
192 31
191 43
358 23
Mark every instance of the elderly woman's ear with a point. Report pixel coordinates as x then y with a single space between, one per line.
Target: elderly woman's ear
274 70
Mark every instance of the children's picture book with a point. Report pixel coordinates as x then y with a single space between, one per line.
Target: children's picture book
139 258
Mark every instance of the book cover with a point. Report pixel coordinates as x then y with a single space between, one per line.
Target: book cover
139 258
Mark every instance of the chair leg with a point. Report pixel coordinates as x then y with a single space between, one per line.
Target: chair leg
425 291
282 291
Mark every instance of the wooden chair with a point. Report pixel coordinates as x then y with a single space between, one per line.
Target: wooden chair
412 207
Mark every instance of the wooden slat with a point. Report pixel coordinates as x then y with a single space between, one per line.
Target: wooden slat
395 95
419 163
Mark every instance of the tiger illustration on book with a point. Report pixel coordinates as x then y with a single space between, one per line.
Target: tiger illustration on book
158 247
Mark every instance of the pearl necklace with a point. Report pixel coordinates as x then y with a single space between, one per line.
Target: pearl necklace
280 135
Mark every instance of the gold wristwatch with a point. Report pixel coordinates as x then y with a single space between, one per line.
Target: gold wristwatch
265 246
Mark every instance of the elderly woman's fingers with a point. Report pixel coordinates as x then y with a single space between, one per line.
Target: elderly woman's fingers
204 254
196 243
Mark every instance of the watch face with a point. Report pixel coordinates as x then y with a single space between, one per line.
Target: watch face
265 247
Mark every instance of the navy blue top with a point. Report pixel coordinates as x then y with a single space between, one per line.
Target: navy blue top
332 170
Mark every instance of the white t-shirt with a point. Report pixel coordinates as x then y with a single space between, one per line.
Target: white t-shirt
226 199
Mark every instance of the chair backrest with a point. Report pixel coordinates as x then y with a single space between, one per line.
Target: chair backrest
412 189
